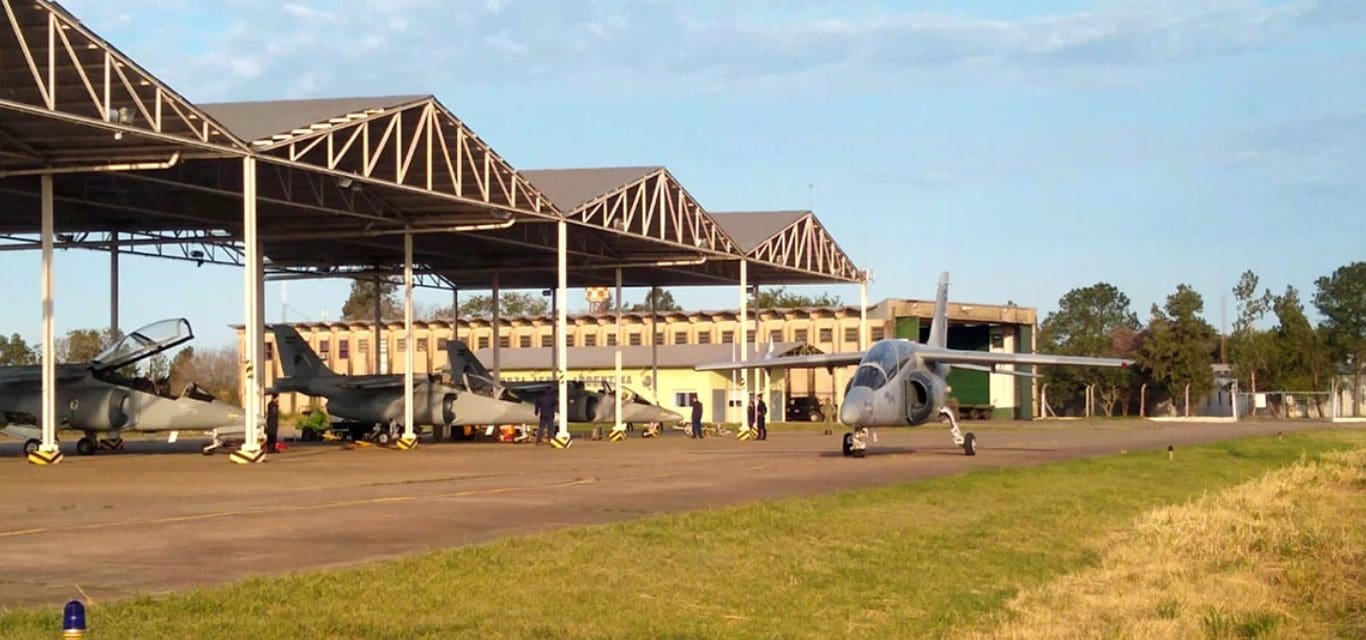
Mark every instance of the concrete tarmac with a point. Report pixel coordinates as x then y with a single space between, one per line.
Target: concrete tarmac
157 517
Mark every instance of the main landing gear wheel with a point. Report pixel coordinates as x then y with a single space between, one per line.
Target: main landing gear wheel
847 447
969 444
86 446
31 446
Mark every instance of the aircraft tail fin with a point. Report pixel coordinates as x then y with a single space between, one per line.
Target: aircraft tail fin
939 326
463 361
297 359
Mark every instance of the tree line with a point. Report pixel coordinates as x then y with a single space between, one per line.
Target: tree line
1176 347
215 370
360 303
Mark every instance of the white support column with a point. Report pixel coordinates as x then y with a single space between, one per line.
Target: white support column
561 322
616 384
455 314
863 313
114 284
251 451
654 348
379 326
409 430
48 449
497 330
744 351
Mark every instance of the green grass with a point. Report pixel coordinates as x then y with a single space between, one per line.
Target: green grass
924 559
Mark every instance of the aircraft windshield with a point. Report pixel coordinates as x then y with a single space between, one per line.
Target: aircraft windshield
881 363
147 341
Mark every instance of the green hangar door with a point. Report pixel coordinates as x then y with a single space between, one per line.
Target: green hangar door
970 388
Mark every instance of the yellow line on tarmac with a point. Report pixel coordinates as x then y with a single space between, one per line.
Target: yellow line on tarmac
284 509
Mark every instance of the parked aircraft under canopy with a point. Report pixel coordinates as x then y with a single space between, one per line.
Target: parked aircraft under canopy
97 153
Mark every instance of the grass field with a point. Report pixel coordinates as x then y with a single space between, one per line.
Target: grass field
969 554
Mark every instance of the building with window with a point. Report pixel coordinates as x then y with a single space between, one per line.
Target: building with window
827 330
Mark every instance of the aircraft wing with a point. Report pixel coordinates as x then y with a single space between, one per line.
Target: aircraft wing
996 369
34 374
789 362
989 359
396 383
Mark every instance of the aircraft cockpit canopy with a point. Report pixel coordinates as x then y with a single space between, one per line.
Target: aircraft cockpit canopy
881 363
142 343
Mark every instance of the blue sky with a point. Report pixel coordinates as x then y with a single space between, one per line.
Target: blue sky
1028 148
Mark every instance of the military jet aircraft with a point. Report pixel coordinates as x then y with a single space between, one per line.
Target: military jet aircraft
378 399
899 382
585 406
97 399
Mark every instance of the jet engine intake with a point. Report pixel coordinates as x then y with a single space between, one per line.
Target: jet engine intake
101 410
448 408
925 394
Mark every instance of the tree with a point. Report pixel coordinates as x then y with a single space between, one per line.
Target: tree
81 345
1251 349
1091 321
1302 360
15 352
181 372
1179 346
664 301
360 305
509 304
1341 298
215 370
158 367
781 298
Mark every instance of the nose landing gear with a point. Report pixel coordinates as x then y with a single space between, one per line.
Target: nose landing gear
966 440
855 443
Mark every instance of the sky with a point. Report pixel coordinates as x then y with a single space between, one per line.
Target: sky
1027 148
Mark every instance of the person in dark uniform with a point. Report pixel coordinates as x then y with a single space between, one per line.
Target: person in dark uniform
761 416
272 422
749 414
546 407
696 417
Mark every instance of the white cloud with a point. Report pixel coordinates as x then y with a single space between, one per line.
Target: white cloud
698 47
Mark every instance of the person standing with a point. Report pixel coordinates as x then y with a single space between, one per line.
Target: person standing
749 413
761 416
696 417
272 422
546 407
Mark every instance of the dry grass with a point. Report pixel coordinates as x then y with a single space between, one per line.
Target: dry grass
1283 556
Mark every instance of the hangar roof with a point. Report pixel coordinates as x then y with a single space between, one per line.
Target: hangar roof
570 188
262 119
794 239
751 228
340 181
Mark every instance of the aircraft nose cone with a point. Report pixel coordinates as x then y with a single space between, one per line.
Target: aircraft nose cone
858 407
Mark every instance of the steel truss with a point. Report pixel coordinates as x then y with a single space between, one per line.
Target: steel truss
420 145
66 72
656 206
805 245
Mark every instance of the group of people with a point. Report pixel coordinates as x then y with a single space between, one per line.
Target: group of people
757 417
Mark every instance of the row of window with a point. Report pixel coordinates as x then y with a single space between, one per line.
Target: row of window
591 340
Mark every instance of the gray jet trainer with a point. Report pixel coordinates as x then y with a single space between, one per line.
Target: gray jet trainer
585 406
900 382
378 399
97 399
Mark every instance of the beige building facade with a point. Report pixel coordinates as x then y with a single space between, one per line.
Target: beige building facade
349 348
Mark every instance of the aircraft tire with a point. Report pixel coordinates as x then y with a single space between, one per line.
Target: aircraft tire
86 447
970 444
847 446
31 445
